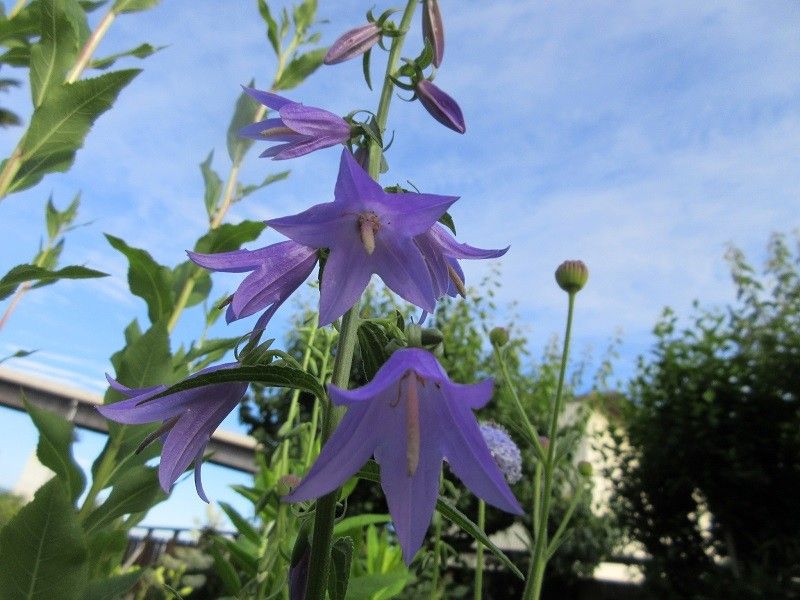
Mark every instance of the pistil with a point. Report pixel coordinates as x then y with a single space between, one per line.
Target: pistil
412 423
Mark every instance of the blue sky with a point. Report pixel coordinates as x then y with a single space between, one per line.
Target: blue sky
641 137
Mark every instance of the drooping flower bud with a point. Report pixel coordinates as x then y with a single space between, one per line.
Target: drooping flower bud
353 43
572 275
499 336
440 106
419 337
585 468
432 30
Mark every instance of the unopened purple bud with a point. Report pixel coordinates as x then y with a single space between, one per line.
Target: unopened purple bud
432 30
441 106
353 43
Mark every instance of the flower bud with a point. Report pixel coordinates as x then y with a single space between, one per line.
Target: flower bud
419 337
440 106
572 275
432 30
498 336
353 43
585 468
544 442
286 484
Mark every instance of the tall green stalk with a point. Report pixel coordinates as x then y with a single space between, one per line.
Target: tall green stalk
326 506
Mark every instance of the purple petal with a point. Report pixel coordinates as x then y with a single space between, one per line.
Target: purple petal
400 264
240 261
344 453
344 278
469 457
140 409
411 498
268 99
436 262
453 248
354 186
123 389
440 106
473 395
318 227
353 43
414 214
198 477
306 145
316 122
270 130
432 30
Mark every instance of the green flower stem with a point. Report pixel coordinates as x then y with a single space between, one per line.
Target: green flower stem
437 548
535 578
326 506
18 6
562 527
478 586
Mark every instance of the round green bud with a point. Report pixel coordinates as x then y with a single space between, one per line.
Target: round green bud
499 336
571 276
585 468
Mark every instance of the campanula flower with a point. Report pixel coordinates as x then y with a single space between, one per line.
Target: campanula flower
302 129
432 30
367 231
504 451
410 417
276 271
353 43
188 419
442 253
440 106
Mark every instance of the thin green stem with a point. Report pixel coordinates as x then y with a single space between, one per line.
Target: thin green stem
533 583
478 586
326 506
18 6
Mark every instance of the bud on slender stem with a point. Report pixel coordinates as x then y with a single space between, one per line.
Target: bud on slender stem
440 106
572 275
432 30
353 43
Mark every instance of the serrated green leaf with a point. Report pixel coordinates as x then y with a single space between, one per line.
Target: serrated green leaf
246 190
212 346
303 16
54 53
225 570
339 574
147 279
19 56
24 25
43 548
202 282
268 375
240 523
54 449
90 6
212 183
129 6
273 35
243 114
229 237
300 68
372 341
112 588
141 51
59 126
22 273
137 490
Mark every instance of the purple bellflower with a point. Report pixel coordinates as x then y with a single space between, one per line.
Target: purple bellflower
353 43
442 253
188 419
302 129
440 106
276 272
411 417
368 231
432 30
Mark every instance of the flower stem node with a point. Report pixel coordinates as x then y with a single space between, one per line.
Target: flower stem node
499 336
572 275
585 468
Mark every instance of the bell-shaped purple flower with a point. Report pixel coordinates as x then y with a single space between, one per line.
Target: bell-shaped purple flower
441 106
353 43
276 272
188 419
410 417
302 129
432 30
442 253
367 231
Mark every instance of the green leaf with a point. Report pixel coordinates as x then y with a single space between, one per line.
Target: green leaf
246 190
272 26
365 67
137 490
202 282
141 51
54 449
357 522
129 6
212 346
213 185
22 273
112 588
59 126
303 16
225 570
339 574
240 523
90 5
372 341
243 114
17 354
58 220
447 221
147 279
54 53
366 586
229 237
300 68
43 549
268 375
